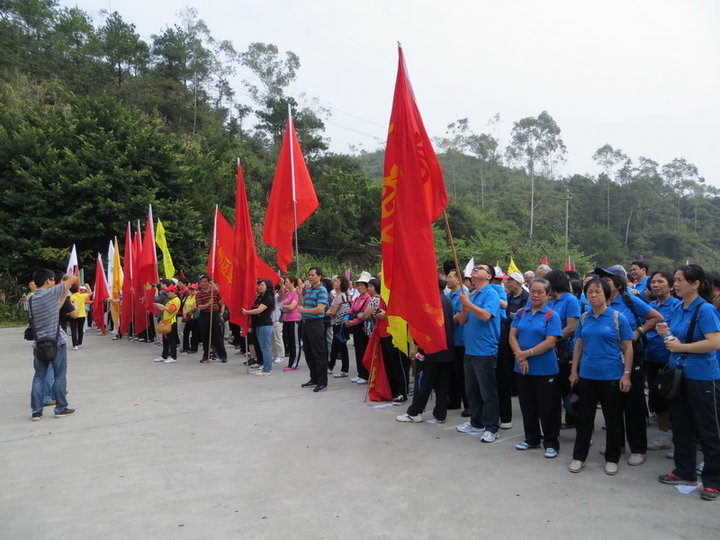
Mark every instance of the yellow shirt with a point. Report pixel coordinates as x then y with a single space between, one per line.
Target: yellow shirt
80 299
189 302
173 305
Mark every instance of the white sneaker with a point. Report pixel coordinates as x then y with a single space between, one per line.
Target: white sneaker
407 418
278 360
341 375
355 379
159 359
467 427
505 425
361 381
662 442
75 348
489 437
170 361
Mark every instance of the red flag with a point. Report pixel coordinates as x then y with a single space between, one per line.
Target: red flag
140 315
378 383
291 183
413 197
265 271
126 307
220 268
544 260
569 265
148 272
100 294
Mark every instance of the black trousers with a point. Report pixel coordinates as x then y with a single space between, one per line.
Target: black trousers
656 403
339 350
315 346
191 335
695 416
291 333
635 412
218 343
77 330
504 375
456 393
169 343
433 376
360 340
608 394
539 397
397 367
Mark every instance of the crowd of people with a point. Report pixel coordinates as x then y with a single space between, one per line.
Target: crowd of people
560 343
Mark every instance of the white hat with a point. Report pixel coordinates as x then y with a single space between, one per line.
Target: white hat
517 276
364 278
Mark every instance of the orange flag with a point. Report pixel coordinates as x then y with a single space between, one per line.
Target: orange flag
413 197
292 186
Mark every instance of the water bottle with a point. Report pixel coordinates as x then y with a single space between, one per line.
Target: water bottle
669 336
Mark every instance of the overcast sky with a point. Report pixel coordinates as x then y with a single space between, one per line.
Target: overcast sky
641 75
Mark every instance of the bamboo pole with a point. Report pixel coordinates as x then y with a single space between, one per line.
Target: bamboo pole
452 245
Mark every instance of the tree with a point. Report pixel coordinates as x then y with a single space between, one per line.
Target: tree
610 161
682 176
536 145
122 46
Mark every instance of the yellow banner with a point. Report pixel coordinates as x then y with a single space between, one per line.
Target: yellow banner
161 242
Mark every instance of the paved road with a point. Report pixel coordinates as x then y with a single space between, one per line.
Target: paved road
205 451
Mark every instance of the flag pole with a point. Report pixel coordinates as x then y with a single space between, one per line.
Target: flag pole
212 286
150 315
452 246
291 130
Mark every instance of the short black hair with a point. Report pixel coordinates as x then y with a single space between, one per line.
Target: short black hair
317 269
641 264
41 275
442 281
598 281
559 281
375 282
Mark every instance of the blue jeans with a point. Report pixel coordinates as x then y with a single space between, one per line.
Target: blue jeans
481 392
59 384
48 385
264 335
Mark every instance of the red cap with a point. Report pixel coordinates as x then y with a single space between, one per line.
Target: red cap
172 288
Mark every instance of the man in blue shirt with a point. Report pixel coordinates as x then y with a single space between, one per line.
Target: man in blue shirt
481 317
315 300
457 397
639 272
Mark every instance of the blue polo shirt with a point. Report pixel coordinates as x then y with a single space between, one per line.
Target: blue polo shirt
502 294
700 367
655 351
567 306
459 329
312 297
641 287
640 309
601 358
532 329
481 337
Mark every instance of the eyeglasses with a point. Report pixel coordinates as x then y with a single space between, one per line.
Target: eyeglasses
481 268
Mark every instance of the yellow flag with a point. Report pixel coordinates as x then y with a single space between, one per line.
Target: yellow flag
161 242
397 326
116 285
512 267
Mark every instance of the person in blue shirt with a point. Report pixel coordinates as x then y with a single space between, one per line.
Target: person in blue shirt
695 409
657 356
481 317
643 319
533 335
639 271
456 398
315 302
601 370
567 306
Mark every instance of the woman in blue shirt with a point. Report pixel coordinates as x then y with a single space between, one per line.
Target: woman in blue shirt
601 369
695 409
657 355
533 335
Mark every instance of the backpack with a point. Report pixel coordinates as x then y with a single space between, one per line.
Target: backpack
548 315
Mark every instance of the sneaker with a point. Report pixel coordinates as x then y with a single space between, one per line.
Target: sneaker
278 360
355 379
699 469
287 368
525 446
309 384
255 365
159 359
361 381
66 412
407 418
505 425
611 469
673 479
340 375
36 416
467 427
76 348
399 400
170 360
203 360
576 466
661 442
551 453
320 388
636 459
489 437
261 373
441 421
710 494
224 360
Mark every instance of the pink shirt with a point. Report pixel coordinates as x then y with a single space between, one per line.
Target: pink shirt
294 315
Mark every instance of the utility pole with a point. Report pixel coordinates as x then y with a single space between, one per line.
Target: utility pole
567 198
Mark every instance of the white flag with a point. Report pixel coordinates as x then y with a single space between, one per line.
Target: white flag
468 268
73 267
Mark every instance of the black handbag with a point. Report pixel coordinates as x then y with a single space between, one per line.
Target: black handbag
45 348
668 381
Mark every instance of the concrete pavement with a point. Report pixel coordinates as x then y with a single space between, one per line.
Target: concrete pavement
197 451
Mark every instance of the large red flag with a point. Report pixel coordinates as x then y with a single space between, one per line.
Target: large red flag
100 294
140 320
378 383
148 271
244 258
292 186
413 197
220 269
126 306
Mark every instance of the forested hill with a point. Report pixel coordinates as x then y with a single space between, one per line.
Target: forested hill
96 123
